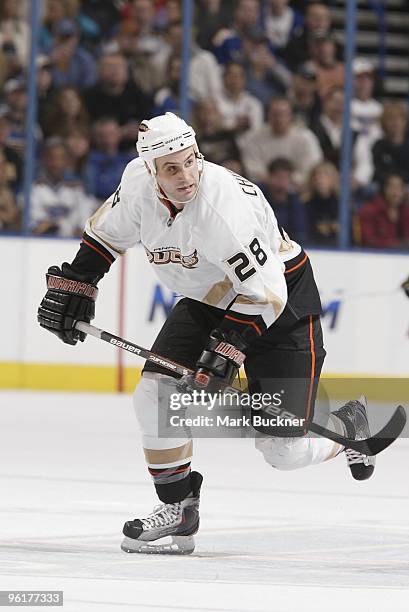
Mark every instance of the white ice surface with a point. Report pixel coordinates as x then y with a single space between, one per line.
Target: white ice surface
72 471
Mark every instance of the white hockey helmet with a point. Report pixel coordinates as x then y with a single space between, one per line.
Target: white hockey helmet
162 135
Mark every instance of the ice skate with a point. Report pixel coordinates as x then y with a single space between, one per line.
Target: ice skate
169 529
355 419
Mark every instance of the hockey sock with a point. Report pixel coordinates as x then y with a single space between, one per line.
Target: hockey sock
172 484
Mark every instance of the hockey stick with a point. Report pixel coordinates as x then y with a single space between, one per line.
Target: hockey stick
370 446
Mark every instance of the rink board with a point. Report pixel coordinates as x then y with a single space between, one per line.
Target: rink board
366 317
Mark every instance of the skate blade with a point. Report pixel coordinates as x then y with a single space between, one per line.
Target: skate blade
170 545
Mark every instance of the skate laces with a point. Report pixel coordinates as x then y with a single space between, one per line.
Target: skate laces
354 457
162 516
354 405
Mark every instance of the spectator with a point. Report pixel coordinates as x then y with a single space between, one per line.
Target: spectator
240 110
384 221
391 152
55 12
44 80
65 112
317 19
266 76
215 142
72 65
281 22
14 165
59 204
105 14
78 145
145 62
141 13
115 95
228 43
90 31
138 18
365 110
329 127
204 72
366 113
280 137
14 34
44 88
284 200
167 98
304 97
211 16
16 99
330 72
9 214
105 162
169 12
321 198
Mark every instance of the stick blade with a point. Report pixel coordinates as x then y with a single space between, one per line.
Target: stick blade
385 437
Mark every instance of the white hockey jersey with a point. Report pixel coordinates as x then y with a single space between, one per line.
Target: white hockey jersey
224 248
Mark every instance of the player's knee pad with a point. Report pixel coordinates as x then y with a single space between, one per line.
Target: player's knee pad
285 453
148 402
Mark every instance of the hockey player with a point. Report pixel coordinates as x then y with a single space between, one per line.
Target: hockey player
250 296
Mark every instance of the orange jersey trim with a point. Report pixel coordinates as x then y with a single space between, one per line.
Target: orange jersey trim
312 374
301 263
91 246
256 327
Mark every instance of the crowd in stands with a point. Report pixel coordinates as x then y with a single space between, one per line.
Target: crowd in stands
266 87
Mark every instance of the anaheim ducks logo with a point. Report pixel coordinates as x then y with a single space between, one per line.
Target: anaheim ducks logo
167 256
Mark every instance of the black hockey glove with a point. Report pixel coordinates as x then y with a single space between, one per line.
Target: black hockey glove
218 365
69 298
405 286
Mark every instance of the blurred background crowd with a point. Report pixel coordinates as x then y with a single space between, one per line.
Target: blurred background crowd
266 87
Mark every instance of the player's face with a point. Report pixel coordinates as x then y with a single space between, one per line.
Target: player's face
178 175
